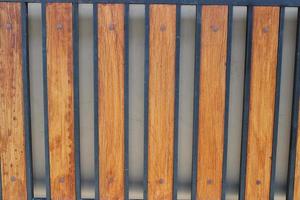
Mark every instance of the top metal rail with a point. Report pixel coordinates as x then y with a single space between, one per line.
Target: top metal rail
285 3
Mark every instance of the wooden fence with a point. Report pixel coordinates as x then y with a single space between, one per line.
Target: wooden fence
265 22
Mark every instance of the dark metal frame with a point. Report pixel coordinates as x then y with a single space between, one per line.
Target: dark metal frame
26 96
295 117
76 99
247 99
196 99
246 104
285 3
126 99
226 114
176 109
198 4
277 100
146 90
96 126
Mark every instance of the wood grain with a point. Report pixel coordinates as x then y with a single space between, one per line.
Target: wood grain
111 71
60 100
212 102
297 164
262 100
12 140
161 101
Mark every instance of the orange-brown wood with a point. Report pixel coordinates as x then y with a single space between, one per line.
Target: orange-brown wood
297 164
60 100
262 100
111 71
212 102
12 140
161 101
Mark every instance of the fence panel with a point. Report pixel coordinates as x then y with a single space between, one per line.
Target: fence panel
60 35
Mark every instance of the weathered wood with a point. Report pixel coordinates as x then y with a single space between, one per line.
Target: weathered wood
212 101
111 71
161 100
262 101
60 100
12 140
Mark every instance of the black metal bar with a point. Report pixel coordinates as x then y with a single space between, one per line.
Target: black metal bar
45 87
76 98
176 109
196 100
205 2
126 92
246 104
26 97
96 122
227 93
277 101
295 116
146 89
284 3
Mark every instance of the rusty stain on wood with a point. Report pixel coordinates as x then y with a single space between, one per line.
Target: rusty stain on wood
111 71
262 101
12 140
161 101
60 100
212 102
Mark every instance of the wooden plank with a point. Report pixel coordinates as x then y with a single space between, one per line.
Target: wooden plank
212 101
262 101
60 100
111 71
161 100
12 140
297 164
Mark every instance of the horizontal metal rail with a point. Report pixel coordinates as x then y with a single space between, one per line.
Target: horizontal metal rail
285 3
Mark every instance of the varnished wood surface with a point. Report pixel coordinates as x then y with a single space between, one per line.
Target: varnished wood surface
262 101
212 102
60 100
12 140
297 164
111 71
161 101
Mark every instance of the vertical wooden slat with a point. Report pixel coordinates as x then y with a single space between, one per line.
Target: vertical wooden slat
12 141
161 100
297 162
60 100
262 101
111 71
212 101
